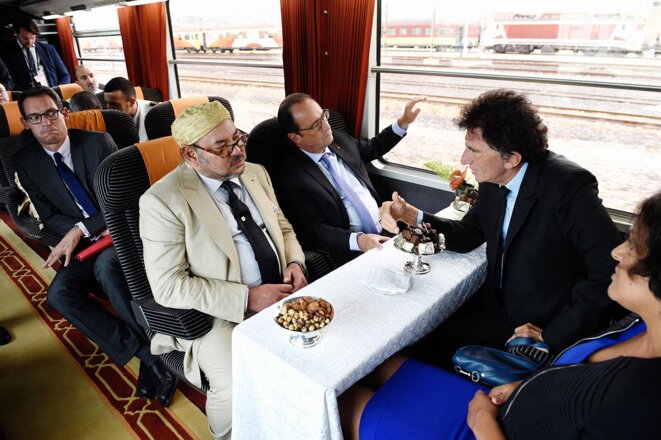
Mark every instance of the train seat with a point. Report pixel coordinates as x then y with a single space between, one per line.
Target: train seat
266 143
12 196
148 94
119 182
158 121
66 91
118 125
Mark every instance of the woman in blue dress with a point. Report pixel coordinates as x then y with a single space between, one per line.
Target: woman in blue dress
606 386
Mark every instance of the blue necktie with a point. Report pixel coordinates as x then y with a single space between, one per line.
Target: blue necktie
362 211
75 187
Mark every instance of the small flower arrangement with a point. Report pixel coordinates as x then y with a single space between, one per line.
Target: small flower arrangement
462 182
458 179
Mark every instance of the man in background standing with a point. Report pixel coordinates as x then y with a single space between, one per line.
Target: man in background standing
31 63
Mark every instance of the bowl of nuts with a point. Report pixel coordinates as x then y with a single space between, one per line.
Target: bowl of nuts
304 317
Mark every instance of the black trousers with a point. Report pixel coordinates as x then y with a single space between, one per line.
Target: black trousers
119 337
480 321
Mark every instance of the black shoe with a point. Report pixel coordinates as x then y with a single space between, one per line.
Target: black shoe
5 337
167 383
147 382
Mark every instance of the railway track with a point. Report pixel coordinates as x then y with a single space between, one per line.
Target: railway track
556 110
574 113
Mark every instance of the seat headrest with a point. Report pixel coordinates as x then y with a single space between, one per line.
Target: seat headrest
161 156
68 90
10 119
181 104
87 120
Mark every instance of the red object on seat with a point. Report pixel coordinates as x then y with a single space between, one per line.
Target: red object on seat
94 248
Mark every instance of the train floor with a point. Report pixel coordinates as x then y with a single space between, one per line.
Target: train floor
55 383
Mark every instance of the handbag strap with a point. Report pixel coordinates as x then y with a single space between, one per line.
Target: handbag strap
530 349
515 342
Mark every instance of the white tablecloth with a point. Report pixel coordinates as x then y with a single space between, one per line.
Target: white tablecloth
282 391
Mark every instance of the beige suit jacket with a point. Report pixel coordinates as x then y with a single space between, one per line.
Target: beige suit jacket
189 255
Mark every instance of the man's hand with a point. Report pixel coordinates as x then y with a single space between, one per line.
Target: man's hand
398 209
65 247
295 276
265 295
410 114
501 393
370 241
528 331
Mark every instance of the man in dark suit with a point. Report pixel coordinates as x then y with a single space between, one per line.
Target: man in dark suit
5 78
548 235
31 63
56 167
322 184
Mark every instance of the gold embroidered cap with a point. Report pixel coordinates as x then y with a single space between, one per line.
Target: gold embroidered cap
198 120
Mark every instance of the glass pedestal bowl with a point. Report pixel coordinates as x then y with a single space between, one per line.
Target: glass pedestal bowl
297 317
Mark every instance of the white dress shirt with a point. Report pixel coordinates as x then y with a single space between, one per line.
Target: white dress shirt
250 274
346 173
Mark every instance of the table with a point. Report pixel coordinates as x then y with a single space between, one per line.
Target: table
282 391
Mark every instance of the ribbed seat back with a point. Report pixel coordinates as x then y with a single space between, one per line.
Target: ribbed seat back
158 121
119 182
148 94
66 91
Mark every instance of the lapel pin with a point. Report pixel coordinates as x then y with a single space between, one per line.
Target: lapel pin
243 219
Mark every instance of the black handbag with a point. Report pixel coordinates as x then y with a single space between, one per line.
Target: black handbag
494 367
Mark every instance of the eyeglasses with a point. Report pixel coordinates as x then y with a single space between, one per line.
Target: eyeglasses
226 150
51 115
319 123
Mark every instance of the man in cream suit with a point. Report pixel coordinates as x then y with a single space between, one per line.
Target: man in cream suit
220 253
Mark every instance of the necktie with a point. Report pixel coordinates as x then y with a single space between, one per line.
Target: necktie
498 270
362 211
75 186
31 64
264 254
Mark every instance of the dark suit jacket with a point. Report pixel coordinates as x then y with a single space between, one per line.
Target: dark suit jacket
5 77
310 201
54 68
53 201
557 262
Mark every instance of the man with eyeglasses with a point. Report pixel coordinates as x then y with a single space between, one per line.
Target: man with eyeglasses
215 240
323 184
30 62
56 167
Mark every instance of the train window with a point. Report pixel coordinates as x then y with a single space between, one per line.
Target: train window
594 78
99 43
234 53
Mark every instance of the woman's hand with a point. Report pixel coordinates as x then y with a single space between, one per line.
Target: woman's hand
501 393
482 417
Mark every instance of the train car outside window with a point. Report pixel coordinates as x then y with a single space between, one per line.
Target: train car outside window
591 67
99 42
234 53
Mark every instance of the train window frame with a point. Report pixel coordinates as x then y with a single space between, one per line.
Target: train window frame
422 176
80 35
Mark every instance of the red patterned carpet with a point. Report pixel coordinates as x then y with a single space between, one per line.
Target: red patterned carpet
144 419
